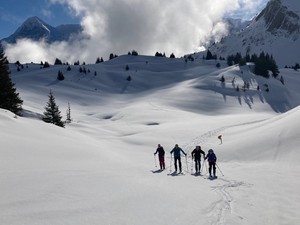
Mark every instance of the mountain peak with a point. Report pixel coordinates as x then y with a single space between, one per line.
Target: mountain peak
33 19
36 29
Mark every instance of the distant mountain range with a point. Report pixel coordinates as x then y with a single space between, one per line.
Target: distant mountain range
36 29
276 30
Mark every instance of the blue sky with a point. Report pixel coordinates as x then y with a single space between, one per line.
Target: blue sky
14 12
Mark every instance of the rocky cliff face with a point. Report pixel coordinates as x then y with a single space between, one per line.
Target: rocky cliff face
278 17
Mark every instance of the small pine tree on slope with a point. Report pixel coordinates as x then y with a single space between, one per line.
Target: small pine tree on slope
52 113
69 119
9 98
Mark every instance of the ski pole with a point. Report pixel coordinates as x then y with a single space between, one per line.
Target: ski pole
187 166
219 169
202 165
155 161
171 163
205 165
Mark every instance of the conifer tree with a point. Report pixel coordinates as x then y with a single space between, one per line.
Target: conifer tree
111 56
9 98
230 60
273 66
222 79
129 78
134 52
60 75
57 62
52 113
69 119
261 66
98 60
209 55
46 65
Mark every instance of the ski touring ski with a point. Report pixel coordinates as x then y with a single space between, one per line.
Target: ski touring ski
212 177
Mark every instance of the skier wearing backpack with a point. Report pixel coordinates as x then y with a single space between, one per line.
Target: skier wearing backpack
161 156
196 155
212 159
177 156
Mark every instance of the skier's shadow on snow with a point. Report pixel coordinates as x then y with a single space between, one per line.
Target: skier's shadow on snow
173 174
156 171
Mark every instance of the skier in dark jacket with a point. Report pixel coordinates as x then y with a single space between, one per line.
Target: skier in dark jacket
161 156
196 155
176 151
212 159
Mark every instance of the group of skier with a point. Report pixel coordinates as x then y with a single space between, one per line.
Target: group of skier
196 156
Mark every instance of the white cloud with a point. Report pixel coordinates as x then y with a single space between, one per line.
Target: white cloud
249 8
119 26
26 50
47 13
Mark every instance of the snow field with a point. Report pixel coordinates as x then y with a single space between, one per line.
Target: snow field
98 170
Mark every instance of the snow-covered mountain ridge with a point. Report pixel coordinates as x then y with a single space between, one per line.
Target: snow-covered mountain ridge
275 31
36 29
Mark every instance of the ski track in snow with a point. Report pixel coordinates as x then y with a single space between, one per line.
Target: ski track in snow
223 209
212 134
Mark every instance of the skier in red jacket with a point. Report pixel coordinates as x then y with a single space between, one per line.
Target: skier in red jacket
161 156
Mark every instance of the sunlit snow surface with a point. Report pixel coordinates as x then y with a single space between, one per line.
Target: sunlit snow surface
100 168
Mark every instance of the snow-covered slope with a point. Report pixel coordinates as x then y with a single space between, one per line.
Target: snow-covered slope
276 30
100 169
